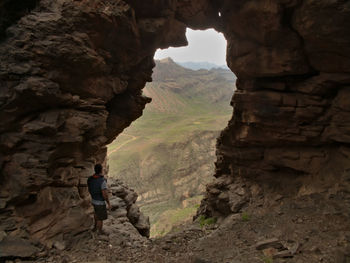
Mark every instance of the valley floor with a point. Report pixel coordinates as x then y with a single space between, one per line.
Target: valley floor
308 229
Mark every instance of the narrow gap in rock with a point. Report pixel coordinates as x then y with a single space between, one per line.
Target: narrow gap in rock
168 154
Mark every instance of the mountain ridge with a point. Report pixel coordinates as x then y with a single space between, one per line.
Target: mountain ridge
189 87
198 65
168 155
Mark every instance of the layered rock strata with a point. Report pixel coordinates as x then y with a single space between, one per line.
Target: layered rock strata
124 210
290 129
71 77
125 223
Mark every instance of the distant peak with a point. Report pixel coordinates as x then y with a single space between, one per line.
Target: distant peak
201 65
167 60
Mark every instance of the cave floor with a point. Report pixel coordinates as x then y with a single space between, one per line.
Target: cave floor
307 229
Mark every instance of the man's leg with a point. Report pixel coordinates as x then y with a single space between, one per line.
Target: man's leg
99 225
95 222
100 215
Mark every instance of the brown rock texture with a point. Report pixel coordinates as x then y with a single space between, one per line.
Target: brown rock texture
290 124
71 76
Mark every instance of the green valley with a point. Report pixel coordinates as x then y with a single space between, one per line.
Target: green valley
168 154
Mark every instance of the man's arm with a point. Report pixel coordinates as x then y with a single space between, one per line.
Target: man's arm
105 193
105 196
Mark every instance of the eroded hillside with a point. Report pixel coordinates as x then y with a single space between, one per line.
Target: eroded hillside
168 155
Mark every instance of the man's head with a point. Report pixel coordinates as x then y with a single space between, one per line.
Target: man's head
98 168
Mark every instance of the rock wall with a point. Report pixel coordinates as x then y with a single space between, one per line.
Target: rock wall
289 133
71 76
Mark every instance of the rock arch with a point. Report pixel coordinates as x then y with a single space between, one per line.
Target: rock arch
71 78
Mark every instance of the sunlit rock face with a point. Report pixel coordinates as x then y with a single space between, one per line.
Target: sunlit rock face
71 77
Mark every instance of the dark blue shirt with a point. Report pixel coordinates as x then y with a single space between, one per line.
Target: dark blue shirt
96 184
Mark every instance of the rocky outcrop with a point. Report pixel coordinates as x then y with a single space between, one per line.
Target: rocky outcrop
68 87
71 76
290 121
124 209
125 223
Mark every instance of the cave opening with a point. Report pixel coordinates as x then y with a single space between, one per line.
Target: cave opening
167 156
71 79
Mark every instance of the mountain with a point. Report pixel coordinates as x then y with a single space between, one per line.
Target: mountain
175 88
201 65
168 154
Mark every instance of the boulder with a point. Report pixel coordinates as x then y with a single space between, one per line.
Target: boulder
15 247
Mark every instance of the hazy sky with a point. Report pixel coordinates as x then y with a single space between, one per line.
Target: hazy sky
208 45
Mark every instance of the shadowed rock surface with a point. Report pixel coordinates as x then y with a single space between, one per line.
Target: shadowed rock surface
71 76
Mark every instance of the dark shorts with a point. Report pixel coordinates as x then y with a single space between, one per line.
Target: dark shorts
100 212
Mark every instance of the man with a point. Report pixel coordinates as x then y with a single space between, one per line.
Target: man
97 186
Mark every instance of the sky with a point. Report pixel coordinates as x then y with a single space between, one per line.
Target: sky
207 45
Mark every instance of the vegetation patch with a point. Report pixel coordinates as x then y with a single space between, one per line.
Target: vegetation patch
172 220
266 259
245 217
204 221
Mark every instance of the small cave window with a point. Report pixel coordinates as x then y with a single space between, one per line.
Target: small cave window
168 154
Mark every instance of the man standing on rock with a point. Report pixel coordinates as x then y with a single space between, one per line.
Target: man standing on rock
97 186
